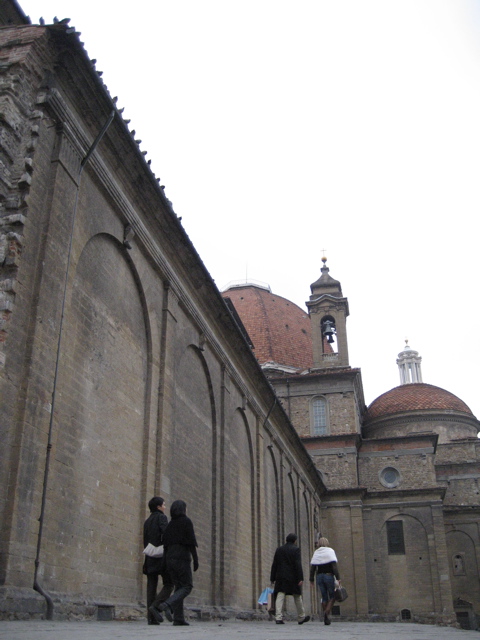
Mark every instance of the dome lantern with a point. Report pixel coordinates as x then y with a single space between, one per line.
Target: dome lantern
409 365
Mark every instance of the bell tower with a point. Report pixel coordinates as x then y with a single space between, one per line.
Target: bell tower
328 311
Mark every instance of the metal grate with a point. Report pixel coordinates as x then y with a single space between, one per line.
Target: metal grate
463 619
105 613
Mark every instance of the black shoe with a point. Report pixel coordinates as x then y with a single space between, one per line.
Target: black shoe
327 620
180 623
167 610
156 615
306 619
279 622
153 622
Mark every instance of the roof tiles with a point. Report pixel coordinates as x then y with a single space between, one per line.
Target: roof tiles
279 329
415 397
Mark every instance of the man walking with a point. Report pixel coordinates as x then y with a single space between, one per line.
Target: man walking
287 574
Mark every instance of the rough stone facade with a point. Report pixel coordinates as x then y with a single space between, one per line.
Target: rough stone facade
123 373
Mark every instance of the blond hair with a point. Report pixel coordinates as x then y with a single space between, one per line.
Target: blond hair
323 542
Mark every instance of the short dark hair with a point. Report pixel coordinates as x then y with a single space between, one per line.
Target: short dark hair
155 502
292 537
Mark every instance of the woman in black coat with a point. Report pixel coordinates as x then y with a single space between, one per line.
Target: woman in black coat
153 530
180 547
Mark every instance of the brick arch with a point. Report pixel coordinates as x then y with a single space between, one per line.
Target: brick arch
464 586
189 461
239 513
304 536
405 580
104 382
290 505
272 497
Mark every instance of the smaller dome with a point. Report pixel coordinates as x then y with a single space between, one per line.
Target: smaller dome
415 397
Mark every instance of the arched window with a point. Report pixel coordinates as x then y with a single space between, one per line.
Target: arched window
318 416
459 564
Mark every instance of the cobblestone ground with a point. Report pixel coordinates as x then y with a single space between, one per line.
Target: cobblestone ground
230 630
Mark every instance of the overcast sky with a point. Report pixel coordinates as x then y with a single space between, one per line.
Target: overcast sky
284 128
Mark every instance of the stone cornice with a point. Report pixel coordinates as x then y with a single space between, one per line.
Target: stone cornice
314 306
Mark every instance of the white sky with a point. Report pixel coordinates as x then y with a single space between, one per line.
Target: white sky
284 127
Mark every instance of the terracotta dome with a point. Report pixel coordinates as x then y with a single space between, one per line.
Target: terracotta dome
415 397
279 329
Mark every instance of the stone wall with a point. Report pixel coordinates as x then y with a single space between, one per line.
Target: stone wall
154 390
342 391
407 580
338 468
463 544
415 470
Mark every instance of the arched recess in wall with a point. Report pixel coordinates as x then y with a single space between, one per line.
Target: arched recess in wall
403 579
305 545
188 461
239 510
463 566
271 524
290 502
97 479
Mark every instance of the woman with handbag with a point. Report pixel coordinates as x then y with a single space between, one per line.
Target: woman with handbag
153 530
324 564
180 547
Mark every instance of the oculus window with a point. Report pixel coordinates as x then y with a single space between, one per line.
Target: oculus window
390 477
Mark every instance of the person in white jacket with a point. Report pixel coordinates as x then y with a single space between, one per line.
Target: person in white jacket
324 564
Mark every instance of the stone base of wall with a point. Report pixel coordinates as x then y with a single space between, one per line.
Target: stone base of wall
21 604
438 619
27 604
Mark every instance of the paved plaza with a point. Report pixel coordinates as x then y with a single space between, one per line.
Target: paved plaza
229 630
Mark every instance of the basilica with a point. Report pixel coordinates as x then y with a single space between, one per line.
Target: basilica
402 474
125 373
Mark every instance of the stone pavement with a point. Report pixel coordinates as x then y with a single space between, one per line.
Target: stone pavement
229 630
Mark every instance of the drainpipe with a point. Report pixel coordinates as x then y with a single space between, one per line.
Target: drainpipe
36 584
288 399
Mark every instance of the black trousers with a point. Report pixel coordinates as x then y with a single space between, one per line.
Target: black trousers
181 576
152 597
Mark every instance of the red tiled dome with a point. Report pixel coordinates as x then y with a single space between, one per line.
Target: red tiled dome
415 397
279 329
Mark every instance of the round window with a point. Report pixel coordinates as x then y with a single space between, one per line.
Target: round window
390 477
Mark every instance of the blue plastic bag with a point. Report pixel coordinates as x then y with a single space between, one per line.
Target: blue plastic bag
263 599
